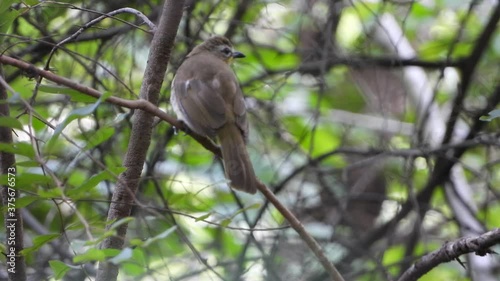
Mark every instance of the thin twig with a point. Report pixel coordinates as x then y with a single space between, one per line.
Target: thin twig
151 25
297 226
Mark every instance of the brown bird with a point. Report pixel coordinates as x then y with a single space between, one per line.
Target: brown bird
207 97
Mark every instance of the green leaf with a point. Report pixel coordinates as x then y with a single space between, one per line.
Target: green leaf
160 236
31 2
253 206
25 201
19 148
227 221
491 115
433 49
285 60
421 11
136 266
5 6
50 193
74 94
9 122
121 221
7 17
101 238
136 242
75 114
28 163
393 254
100 136
124 255
60 269
27 180
30 179
38 242
205 216
93 181
95 255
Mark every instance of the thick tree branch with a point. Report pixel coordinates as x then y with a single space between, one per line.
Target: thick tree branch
451 251
140 139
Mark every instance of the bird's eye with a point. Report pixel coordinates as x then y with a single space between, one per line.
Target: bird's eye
226 51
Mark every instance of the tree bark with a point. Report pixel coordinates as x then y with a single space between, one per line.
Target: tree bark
124 195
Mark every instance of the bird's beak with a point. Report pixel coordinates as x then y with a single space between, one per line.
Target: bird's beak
237 55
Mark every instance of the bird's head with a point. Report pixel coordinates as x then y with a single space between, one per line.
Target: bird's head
219 46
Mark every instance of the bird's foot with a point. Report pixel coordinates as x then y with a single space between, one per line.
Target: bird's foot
182 127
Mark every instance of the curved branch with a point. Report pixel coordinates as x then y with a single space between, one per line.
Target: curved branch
451 251
95 21
141 104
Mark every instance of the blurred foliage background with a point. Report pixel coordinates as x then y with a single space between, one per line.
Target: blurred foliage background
365 121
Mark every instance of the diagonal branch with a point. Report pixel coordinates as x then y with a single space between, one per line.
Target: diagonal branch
451 251
468 68
141 104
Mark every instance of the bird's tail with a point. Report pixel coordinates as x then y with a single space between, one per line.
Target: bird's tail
237 165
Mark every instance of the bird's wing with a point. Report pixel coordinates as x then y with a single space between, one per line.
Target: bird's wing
226 85
203 109
239 109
